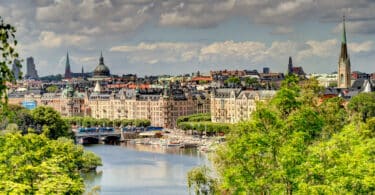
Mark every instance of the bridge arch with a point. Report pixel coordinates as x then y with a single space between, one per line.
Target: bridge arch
111 139
89 140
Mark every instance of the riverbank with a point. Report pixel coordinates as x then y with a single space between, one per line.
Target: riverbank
178 138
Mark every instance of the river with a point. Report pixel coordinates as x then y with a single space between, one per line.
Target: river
142 169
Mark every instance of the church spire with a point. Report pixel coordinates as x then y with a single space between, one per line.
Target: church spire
343 30
68 73
344 69
101 59
290 65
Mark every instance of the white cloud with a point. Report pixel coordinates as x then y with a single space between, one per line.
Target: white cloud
88 59
226 52
319 49
361 47
50 39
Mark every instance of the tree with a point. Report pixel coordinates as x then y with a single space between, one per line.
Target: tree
252 82
233 81
34 164
51 122
362 105
286 99
202 183
7 48
293 145
52 89
342 165
334 114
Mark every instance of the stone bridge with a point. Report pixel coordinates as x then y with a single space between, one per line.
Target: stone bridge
97 137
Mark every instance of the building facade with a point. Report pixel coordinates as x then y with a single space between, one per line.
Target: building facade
31 72
235 105
161 108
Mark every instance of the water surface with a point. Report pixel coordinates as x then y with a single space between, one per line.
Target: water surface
139 169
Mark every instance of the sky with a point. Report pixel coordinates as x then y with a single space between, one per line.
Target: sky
153 37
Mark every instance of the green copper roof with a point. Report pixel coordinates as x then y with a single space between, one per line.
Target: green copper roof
343 31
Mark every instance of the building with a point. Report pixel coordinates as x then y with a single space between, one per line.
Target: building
101 70
31 72
344 73
360 75
161 106
325 80
297 70
235 105
16 69
68 72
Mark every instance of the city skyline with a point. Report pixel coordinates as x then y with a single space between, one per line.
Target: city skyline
175 37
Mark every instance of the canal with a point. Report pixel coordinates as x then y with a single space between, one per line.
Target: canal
142 169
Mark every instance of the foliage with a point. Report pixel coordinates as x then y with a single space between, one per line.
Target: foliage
51 123
344 164
363 105
49 78
91 122
252 82
52 89
91 161
8 53
195 118
202 183
286 99
232 81
205 126
34 164
295 145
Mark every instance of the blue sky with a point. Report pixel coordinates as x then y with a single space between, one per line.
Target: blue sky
182 36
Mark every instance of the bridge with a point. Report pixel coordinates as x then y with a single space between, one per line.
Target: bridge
97 137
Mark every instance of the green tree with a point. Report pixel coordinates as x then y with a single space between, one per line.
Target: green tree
252 82
232 81
362 105
51 122
52 89
286 99
341 165
300 148
334 115
34 164
7 48
201 182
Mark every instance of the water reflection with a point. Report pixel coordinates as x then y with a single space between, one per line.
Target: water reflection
143 169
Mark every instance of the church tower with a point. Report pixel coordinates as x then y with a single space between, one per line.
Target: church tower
290 65
68 73
344 73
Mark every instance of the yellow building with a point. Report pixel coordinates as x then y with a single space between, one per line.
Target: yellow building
161 109
235 105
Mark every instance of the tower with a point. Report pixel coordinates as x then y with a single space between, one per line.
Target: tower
68 73
344 73
16 69
290 65
31 72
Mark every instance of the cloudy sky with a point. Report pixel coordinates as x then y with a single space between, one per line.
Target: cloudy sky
182 36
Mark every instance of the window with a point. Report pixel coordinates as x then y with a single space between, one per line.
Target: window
341 78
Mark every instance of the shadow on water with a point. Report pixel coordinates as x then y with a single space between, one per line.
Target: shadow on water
91 178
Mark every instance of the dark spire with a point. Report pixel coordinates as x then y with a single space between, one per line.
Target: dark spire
101 59
68 73
343 30
290 65
344 50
